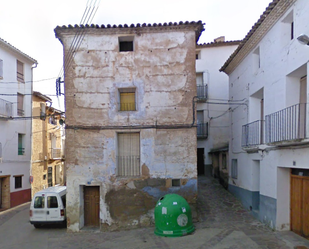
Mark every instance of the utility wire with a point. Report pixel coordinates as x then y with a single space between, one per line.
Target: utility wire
87 17
29 81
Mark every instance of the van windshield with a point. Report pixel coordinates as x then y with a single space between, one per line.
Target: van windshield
39 202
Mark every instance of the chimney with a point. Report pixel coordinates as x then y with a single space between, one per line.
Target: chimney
220 39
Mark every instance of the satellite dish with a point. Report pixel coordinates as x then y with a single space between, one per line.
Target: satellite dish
61 121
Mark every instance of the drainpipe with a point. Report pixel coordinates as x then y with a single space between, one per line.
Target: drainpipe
31 134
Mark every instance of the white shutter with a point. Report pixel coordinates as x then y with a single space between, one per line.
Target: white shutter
128 154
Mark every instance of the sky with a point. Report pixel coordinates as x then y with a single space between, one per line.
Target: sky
29 25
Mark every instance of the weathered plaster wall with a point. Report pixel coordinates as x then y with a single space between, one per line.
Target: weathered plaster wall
162 68
41 147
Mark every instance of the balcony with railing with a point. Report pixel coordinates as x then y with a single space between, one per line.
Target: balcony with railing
202 130
56 153
252 134
288 124
5 109
202 92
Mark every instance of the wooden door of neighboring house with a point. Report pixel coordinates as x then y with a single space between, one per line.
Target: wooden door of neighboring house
300 203
92 206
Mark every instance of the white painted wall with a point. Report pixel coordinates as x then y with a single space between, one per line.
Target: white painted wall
282 63
12 163
211 59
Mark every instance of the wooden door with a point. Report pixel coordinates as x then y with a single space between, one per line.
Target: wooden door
300 205
92 206
200 161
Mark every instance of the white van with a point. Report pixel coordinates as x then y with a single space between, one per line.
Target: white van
48 207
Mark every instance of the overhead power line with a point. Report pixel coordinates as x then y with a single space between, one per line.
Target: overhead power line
89 13
29 81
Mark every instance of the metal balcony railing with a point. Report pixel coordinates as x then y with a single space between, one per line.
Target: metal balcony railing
56 153
202 92
20 112
252 133
5 108
21 151
286 125
202 130
128 165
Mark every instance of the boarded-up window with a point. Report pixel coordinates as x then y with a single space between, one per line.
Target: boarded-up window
20 104
127 99
20 72
128 158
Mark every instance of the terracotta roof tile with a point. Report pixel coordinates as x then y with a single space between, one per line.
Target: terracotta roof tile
218 44
8 45
199 26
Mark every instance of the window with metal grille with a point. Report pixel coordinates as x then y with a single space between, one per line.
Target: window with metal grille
234 170
20 72
128 158
18 181
20 104
126 43
127 99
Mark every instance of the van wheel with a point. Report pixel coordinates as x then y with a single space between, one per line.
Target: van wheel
36 226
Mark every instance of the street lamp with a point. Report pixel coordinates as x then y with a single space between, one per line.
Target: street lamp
303 39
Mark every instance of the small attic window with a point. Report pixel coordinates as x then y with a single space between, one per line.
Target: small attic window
126 43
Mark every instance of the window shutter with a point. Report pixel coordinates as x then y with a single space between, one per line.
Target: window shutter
128 154
20 71
127 101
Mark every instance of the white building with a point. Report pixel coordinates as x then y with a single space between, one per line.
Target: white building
15 125
213 107
269 130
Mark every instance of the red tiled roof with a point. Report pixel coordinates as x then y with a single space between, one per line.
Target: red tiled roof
199 26
217 44
251 32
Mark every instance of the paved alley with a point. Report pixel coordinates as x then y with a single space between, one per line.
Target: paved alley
223 224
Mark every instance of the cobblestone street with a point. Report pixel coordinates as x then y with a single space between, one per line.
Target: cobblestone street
223 223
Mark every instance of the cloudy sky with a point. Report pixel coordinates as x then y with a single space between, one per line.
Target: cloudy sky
29 25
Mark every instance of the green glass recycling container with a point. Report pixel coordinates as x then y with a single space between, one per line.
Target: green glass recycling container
173 216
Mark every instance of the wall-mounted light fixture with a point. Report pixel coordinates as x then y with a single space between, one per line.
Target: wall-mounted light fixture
303 39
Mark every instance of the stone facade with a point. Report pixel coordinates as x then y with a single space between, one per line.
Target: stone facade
159 71
47 153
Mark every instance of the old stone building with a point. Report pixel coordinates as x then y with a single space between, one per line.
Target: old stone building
130 120
47 166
